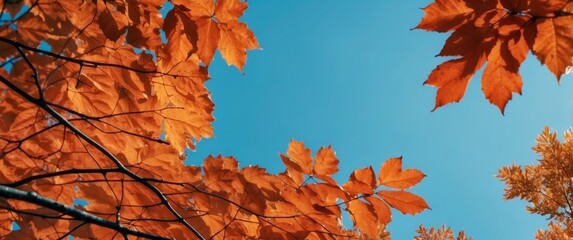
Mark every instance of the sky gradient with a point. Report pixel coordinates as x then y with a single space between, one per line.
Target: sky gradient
350 76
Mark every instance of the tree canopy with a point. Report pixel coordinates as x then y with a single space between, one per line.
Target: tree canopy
100 101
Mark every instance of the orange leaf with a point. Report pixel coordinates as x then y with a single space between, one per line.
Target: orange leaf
298 199
293 171
181 34
229 10
515 5
325 164
499 83
451 78
236 39
472 41
445 15
391 175
363 217
404 201
112 23
209 35
328 194
301 155
361 181
553 44
497 32
5 219
546 7
501 77
382 210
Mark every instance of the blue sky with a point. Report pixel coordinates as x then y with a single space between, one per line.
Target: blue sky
350 76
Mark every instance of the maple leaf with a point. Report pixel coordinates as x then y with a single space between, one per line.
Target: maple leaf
181 34
325 164
299 162
217 27
301 156
501 33
112 23
108 113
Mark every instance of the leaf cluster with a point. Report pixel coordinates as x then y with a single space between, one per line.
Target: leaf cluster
442 233
499 33
547 185
100 101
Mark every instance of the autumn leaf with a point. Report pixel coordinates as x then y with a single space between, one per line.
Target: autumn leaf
545 184
370 206
442 233
112 23
181 33
553 43
499 33
218 28
301 155
293 170
501 77
234 42
361 181
96 131
445 15
325 164
299 162
391 175
5 222
362 217
404 201
382 210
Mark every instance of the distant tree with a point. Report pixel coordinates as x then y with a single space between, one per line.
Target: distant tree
443 233
547 185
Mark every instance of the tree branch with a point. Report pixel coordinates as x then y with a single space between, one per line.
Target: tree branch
42 104
60 173
81 62
32 197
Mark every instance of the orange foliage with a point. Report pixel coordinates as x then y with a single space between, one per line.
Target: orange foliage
547 185
442 233
106 115
501 33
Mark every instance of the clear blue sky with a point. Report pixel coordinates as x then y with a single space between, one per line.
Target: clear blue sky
350 75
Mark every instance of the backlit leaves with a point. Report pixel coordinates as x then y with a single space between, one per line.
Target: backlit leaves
396 178
404 201
299 162
216 26
547 184
363 184
499 33
361 181
100 102
443 233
